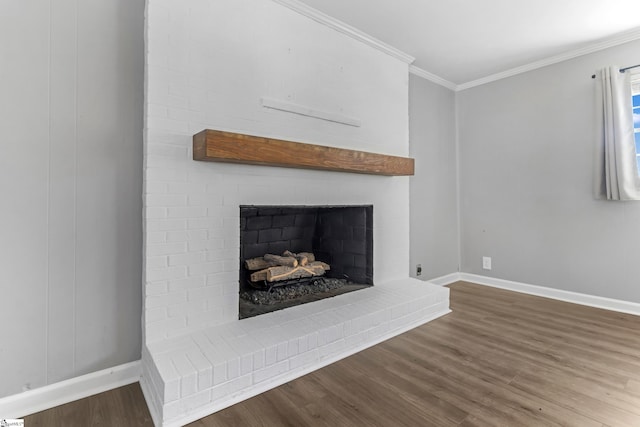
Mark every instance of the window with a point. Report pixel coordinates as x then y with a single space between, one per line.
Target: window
635 92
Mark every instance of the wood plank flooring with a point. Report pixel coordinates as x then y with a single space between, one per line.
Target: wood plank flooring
500 359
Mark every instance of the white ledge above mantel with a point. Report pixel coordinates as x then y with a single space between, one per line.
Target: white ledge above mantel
219 146
291 107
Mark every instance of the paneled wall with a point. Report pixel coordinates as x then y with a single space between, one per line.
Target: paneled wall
71 89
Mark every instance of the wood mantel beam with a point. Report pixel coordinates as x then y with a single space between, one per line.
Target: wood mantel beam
219 146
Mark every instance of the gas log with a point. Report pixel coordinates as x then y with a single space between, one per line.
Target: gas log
288 258
282 272
275 268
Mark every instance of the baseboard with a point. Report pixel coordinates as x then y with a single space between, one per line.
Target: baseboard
557 294
445 280
32 401
292 375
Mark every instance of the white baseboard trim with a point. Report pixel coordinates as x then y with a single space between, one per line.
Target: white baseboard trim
445 280
36 400
557 294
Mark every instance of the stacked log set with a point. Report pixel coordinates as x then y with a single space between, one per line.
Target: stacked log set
275 268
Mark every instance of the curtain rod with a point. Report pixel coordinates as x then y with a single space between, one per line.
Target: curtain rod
622 70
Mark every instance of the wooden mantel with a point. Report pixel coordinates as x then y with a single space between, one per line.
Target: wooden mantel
218 146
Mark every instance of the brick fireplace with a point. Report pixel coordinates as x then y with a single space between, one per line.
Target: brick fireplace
198 357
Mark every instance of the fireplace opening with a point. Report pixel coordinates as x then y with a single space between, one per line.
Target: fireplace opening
292 255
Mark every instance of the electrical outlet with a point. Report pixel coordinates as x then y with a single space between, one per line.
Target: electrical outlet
486 263
418 269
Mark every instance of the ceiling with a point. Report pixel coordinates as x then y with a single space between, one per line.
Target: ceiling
462 41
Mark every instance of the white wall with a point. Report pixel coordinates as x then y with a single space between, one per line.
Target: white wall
208 66
70 179
433 198
526 156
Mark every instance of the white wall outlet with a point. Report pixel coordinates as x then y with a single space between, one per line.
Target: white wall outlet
418 269
486 262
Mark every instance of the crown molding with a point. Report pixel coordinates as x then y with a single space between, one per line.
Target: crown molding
346 29
432 77
627 36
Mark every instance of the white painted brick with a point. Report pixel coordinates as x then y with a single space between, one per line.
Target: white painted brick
177 236
188 283
271 355
152 187
303 344
282 351
223 280
164 175
182 310
233 368
206 318
155 212
155 314
230 266
347 328
155 237
156 288
155 262
167 124
152 301
170 377
187 404
167 273
170 152
206 223
246 364
206 200
187 372
201 294
259 359
187 212
203 367
229 288
219 373
187 258
230 233
270 372
153 333
231 387
206 268
179 114
166 225
168 325
197 235
206 245
166 99
303 360
192 189
293 348
157 249
312 341
222 254
332 349
165 200
156 110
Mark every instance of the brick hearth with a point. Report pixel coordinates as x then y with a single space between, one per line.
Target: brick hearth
200 373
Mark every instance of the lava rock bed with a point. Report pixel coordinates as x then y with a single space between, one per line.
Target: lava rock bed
289 292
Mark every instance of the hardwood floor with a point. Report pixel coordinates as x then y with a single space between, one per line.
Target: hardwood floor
500 359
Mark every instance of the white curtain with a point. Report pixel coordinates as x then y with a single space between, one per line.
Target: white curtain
616 172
